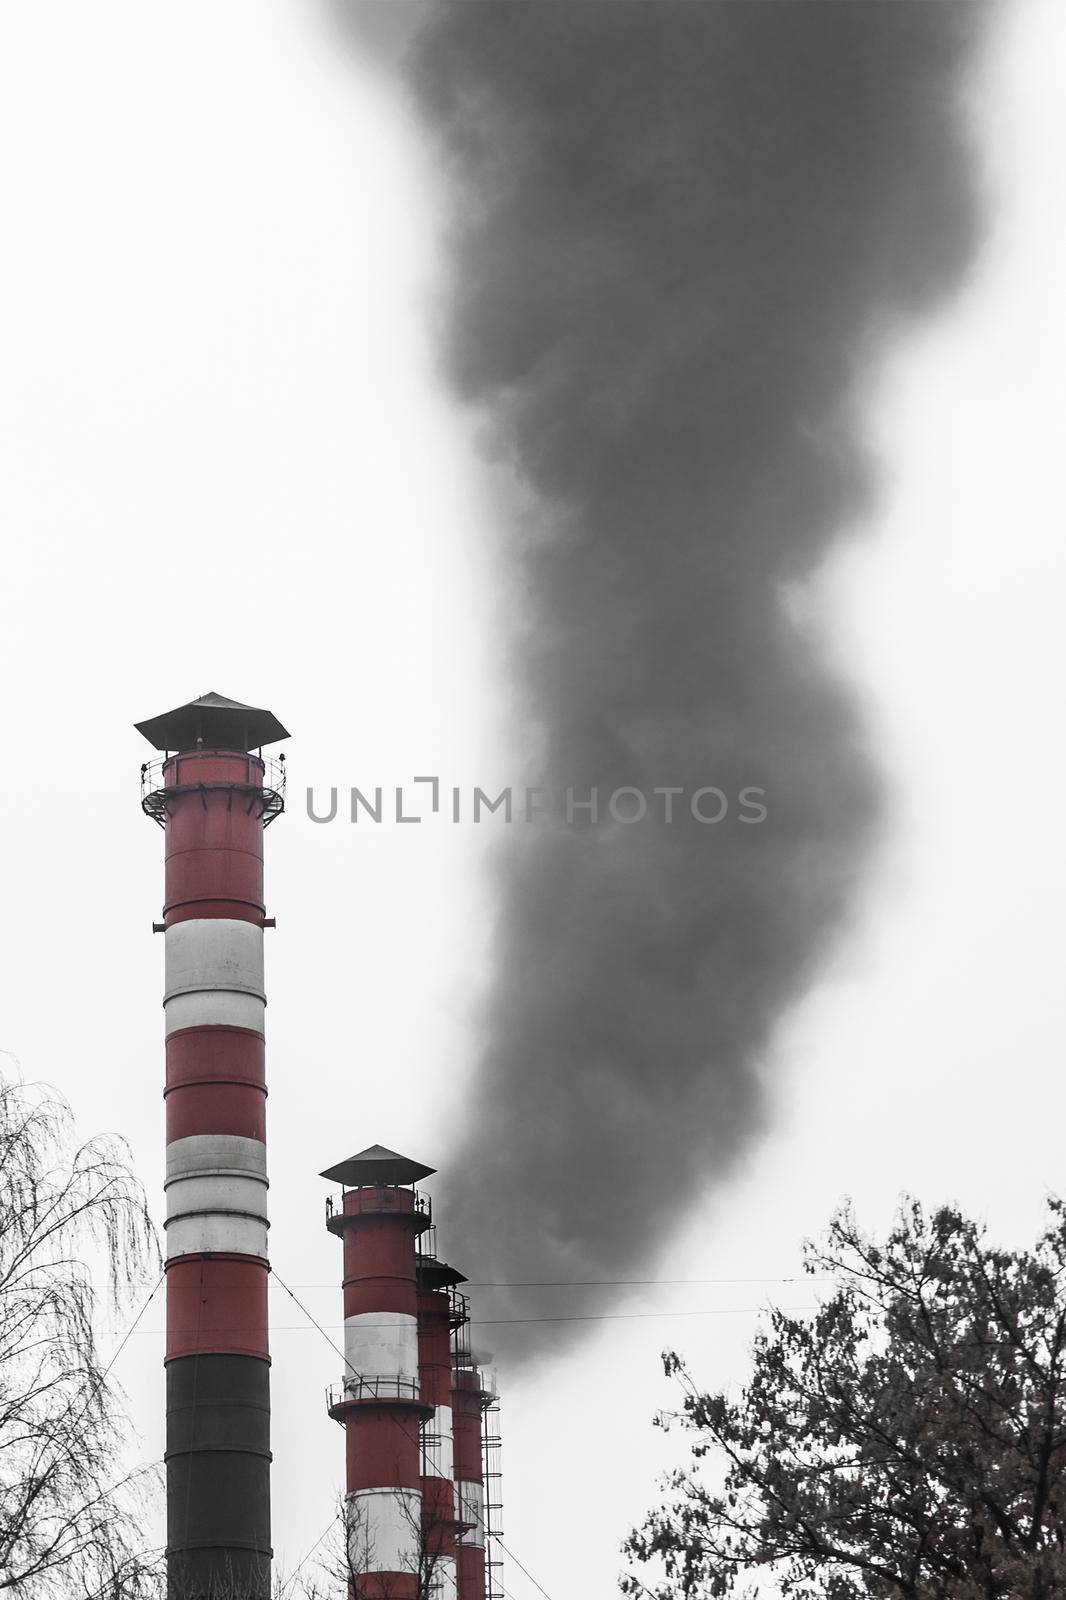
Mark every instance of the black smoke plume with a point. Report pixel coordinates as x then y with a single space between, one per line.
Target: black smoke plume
683 233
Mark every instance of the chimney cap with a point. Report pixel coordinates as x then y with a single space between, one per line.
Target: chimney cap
215 722
434 1274
376 1165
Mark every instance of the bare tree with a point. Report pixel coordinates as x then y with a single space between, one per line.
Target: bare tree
69 1523
351 1553
229 1585
341 1563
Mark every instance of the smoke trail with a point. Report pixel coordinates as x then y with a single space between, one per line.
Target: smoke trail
683 231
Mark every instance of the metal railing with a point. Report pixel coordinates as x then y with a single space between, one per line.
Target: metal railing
458 1308
264 784
427 1245
422 1207
431 1449
354 1391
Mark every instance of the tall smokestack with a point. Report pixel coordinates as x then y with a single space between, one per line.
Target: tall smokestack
214 797
441 1312
473 1396
380 1401
682 236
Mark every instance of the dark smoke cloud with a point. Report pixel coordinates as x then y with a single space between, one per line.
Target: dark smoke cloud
683 233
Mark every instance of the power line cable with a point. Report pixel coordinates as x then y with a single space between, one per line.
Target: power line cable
498 1322
637 1316
625 1283
130 1330
613 1283
96 1383
291 1579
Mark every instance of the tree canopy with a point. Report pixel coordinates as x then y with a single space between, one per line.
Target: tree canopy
69 1523
908 1439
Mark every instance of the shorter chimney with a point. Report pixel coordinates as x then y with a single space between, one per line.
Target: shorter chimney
414 1404
379 1401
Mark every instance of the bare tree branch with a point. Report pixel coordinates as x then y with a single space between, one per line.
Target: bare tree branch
67 1217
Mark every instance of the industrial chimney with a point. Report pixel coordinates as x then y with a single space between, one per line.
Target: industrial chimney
442 1310
379 1401
473 1403
213 793
413 1401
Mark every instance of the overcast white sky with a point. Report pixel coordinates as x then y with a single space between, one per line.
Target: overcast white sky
228 464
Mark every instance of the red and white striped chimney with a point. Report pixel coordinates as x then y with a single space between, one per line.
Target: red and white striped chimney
470 1395
214 798
380 1401
440 1312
